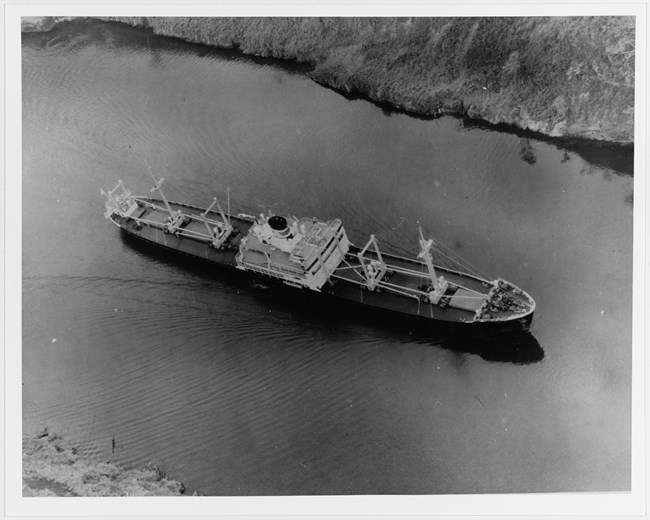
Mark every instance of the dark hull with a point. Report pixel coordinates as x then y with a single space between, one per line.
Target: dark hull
341 292
317 310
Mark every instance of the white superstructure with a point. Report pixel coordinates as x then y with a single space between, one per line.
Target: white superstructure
301 253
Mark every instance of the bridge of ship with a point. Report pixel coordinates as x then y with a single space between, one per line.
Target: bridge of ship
316 238
260 254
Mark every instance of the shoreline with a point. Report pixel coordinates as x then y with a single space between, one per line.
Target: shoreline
416 97
52 467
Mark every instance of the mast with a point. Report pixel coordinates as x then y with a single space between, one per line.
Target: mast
205 213
158 186
373 270
225 219
425 254
228 195
223 230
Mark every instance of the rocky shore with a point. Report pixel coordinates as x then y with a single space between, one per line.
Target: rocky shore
52 467
562 77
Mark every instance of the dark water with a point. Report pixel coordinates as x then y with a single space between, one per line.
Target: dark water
235 390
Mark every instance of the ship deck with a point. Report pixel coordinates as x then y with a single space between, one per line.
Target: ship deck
192 238
351 270
409 276
347 282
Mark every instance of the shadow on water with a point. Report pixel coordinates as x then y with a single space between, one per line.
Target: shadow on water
526 151
507 347
317 313
615 157
619 158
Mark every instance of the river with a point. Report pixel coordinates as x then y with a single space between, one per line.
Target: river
236 391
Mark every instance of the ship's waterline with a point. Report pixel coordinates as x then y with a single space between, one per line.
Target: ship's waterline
314 255
233 389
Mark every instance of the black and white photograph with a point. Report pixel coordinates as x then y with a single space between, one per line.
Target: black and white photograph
385 253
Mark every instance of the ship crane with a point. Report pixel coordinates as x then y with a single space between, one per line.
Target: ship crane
439 284
175 219
373 270
222 230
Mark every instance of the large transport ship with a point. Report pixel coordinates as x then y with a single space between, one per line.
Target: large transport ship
315 255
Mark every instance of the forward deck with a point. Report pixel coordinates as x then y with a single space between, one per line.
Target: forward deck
404 281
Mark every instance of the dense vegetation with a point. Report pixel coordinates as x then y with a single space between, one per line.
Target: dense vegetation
556 75
52 468
559 76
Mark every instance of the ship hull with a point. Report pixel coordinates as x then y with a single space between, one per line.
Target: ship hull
343 289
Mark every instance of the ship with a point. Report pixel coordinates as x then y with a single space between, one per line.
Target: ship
315 256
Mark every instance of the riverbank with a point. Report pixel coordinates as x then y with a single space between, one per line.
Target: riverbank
561 77
52 467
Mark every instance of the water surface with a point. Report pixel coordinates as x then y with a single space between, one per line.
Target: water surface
237 391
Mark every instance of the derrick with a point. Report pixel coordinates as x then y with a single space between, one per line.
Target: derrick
374 270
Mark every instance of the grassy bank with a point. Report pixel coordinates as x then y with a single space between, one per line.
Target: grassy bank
52 467
562 77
